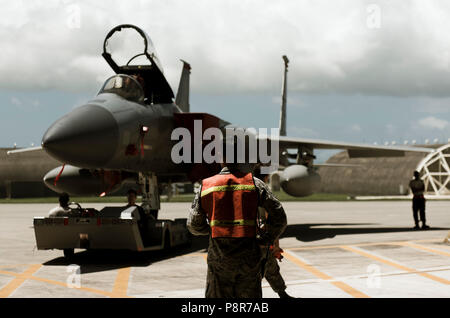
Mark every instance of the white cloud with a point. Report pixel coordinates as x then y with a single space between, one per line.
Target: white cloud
16 101
434 106
355 128
433 123
236 46
25 103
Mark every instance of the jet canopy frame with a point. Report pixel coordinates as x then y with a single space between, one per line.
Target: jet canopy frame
125 86
156 87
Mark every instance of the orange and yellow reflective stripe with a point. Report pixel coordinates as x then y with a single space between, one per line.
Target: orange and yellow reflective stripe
232 187
232 223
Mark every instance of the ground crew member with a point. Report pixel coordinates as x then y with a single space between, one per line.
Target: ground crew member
226 208
271 255
418 203
63 208
143 218
131 198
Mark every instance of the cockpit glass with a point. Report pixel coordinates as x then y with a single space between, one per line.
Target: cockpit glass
125 86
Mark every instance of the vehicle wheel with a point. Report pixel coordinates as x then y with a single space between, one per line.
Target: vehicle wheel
189 238
167 241
68 252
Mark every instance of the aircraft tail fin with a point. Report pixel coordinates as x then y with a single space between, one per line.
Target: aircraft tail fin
182 99
283 98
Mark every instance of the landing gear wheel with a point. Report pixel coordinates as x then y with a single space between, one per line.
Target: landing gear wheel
69 252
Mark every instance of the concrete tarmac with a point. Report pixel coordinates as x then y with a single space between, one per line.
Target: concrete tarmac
332 249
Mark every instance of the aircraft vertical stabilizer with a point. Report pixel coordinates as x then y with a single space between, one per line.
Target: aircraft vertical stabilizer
283 98
182 99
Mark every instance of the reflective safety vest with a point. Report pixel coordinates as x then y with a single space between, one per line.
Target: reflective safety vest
231 204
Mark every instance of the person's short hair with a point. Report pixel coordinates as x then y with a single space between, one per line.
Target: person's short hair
416 173
232 162
258 174
63 199
132 191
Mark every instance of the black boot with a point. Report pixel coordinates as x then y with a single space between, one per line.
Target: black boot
425 227
283 294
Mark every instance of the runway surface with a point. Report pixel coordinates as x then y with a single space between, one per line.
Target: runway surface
332 249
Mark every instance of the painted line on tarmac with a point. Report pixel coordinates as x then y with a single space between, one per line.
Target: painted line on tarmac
447 238
120 288
193 254
85 289
393 264
428 240
18 281
339 284
338 246
362 244
424 248
187 293
58 283
14 266
365 276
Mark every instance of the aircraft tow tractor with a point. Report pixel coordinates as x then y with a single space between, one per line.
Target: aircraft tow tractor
115 228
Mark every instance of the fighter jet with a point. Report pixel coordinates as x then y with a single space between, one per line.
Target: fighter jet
124 134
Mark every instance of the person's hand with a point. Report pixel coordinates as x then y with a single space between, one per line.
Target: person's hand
276 251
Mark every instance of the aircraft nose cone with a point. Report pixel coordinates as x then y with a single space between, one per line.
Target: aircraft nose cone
86 137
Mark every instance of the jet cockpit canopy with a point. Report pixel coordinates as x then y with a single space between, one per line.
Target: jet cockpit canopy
134 54
125 86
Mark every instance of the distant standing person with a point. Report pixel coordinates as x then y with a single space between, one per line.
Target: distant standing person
63 208
271 253
418 187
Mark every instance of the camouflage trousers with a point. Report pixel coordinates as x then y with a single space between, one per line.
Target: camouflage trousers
272 272
233 280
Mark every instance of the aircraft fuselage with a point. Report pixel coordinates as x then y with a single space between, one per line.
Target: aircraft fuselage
113 133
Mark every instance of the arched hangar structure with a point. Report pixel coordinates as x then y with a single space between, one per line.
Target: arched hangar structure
386 176
435 171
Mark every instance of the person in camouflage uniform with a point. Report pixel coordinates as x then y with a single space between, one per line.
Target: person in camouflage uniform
234 264
271 255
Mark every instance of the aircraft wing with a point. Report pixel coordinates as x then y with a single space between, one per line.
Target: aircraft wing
355 150
21 150
336 165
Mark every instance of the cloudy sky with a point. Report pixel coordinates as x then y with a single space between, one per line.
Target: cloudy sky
365 71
